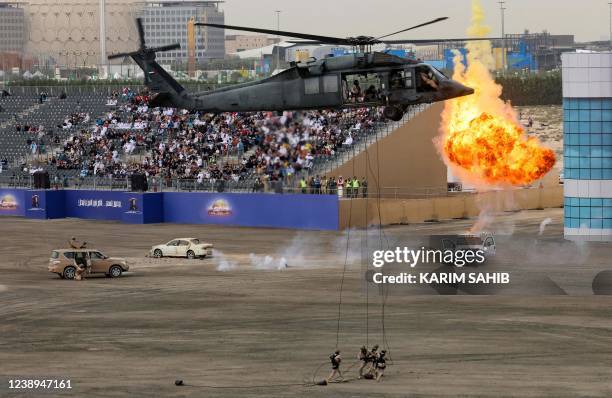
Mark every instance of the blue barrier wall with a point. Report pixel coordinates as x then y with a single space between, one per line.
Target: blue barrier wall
318 212
252 210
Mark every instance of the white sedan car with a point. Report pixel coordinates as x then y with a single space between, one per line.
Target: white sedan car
182 247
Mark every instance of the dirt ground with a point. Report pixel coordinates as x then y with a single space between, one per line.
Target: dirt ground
239 324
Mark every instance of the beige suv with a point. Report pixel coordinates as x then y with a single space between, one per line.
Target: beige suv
64 263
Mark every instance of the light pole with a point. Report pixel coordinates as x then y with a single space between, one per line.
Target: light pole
278 37
503 32
102 10
610 4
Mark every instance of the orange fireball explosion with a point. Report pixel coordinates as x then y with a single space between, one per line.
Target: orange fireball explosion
482 138
498 151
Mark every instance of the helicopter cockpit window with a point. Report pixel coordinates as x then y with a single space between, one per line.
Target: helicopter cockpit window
408 79
361 88
399 79
427 79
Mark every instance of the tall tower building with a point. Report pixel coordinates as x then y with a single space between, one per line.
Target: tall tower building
165 22
587 116
12 28
12 35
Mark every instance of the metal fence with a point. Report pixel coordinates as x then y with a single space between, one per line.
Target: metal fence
156 184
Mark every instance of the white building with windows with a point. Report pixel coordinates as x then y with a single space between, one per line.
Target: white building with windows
587 147
12 29
165 22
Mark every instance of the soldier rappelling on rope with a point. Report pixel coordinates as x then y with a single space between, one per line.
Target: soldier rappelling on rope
380 365
335 359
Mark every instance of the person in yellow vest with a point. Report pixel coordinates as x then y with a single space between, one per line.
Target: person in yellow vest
303 185
355 187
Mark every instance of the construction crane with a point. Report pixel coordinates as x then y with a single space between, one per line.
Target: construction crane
191 48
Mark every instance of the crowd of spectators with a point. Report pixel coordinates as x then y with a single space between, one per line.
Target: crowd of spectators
170 143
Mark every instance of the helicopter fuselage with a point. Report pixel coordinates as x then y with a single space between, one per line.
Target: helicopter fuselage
355 80
363 78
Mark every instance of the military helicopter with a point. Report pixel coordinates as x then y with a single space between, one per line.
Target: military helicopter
393 82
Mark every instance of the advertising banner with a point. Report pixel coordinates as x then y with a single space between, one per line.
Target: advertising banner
36 204
143 208
45 204
12 202
318 212
97 205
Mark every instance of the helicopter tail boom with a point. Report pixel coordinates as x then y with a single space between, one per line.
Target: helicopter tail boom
156 78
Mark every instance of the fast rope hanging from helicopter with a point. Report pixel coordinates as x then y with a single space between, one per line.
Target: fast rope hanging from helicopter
383 289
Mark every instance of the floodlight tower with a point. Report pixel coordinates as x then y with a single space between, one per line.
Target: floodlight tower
103 59
610 4
278 37
502 3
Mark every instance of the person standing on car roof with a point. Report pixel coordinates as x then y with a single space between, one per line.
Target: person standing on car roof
75 244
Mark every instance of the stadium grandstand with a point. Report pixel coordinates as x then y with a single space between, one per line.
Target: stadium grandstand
98 139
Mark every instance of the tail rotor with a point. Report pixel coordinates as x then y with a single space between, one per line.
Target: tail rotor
144 53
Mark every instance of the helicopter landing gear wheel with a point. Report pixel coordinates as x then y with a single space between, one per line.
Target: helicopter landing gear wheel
393 112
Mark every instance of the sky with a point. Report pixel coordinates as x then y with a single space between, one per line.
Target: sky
586 19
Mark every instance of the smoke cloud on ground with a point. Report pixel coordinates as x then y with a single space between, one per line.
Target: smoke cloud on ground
304 251
268 263
543 225
224 264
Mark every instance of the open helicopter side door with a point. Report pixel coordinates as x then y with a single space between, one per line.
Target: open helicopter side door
362 89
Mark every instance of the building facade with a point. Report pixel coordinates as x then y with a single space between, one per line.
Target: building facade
165 22
67 32
12 29
12 37
238 43
587 114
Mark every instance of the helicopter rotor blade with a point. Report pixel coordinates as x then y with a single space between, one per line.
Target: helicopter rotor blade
305 36
168 47
436 41
122 55
413 27
305 42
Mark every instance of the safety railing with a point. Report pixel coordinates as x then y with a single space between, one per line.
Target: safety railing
158 184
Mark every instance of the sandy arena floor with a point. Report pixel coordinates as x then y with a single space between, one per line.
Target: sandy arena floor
252 330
